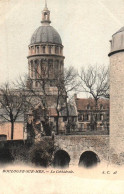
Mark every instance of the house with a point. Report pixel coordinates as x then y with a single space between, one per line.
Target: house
90 117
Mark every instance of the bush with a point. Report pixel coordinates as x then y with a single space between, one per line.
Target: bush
41 153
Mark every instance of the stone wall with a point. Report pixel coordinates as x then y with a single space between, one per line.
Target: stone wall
5 129
76 145
117 103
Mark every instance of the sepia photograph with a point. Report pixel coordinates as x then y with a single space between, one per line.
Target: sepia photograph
62 96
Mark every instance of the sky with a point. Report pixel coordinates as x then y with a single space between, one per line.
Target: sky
85 27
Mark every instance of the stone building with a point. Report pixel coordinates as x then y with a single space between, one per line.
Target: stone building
45 59
5 128
91 118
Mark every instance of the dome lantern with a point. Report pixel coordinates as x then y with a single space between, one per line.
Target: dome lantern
45 33
45 15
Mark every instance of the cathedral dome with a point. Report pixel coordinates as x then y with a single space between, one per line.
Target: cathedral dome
117 42
46 34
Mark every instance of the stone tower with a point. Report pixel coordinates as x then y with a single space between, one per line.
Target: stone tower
117 95
45 59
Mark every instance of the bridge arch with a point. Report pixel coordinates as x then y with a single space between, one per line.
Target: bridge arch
88 159
61 159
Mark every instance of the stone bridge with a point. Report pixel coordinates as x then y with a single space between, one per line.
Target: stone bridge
70 149
76 148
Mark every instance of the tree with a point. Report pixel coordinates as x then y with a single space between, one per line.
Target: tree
39 96
95 82
63 83
41 153
13 104
66 84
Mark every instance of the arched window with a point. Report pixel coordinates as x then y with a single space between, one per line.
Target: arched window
46 16
61 65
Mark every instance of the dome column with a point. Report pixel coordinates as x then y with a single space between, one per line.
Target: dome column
40 49
47 49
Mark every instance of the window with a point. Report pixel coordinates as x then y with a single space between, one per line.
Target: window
88 107
101 117
79 117
88 126
45 16
49 49
50 67
64 119
88 117
81 125
3 137
101 106
31 70
37 49
72 119
43 49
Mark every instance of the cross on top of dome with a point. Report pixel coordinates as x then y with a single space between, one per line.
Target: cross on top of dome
45 5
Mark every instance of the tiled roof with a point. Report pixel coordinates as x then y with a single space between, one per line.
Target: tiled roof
63 111
83 103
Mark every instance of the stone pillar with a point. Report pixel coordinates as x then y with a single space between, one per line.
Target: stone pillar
40 49
47 49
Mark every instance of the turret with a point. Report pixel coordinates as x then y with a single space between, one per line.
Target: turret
117 96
